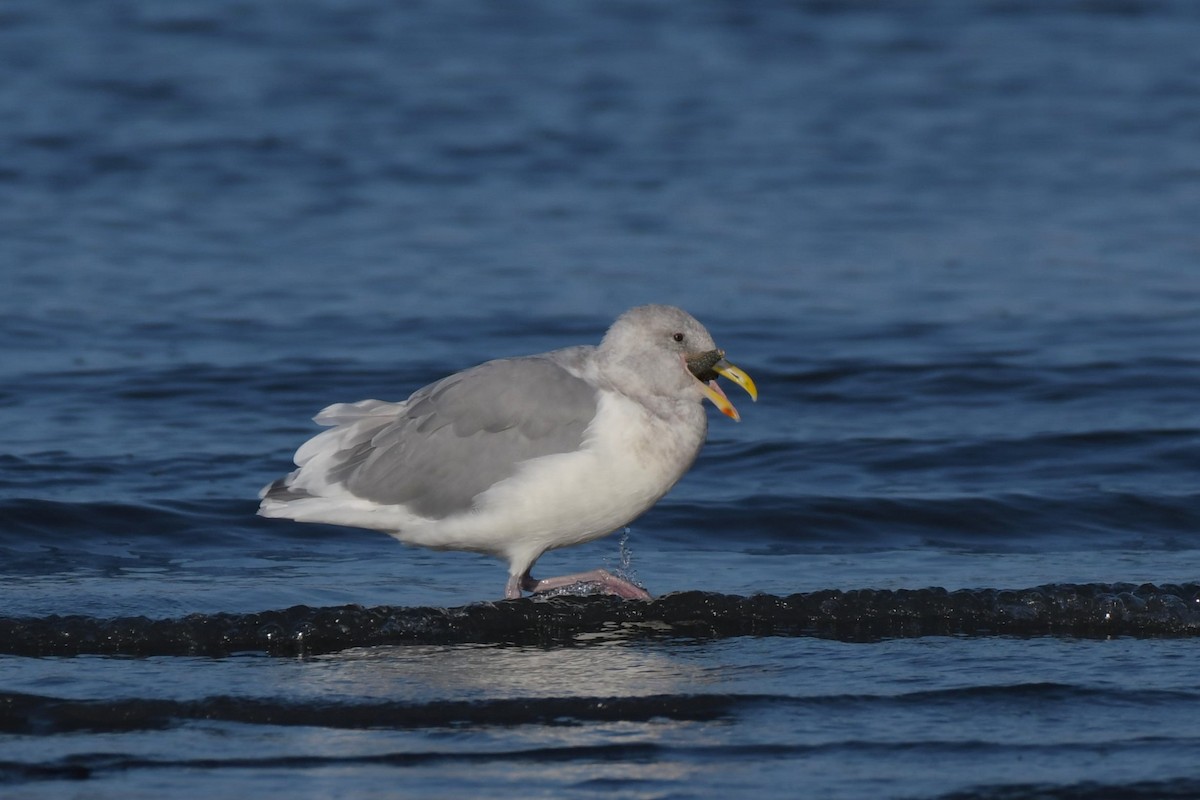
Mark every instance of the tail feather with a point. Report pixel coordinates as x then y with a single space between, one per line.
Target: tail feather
315 491
282 490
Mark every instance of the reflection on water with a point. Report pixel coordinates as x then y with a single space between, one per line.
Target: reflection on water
608 668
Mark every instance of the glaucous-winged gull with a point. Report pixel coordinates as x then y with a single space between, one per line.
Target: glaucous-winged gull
518 456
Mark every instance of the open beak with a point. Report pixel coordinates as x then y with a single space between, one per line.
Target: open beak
705 367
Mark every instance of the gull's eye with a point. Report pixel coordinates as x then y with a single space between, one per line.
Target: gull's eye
678 337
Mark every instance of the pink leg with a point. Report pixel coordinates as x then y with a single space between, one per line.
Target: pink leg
609 584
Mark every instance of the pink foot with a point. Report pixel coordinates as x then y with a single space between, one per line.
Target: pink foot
608 583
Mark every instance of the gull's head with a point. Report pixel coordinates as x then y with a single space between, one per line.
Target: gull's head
670 345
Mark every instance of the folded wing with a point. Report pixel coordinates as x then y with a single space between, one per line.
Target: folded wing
449 442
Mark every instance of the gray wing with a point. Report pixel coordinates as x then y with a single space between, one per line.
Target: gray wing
457 437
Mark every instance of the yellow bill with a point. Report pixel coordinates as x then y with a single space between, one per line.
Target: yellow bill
702 367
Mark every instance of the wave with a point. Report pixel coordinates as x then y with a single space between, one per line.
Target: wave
40 715
36 521
767 522
35 714
1178 789
97 765
1083 610
1003 522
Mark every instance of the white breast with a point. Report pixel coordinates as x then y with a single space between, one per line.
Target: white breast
629 459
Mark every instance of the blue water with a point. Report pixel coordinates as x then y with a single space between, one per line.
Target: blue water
954 243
